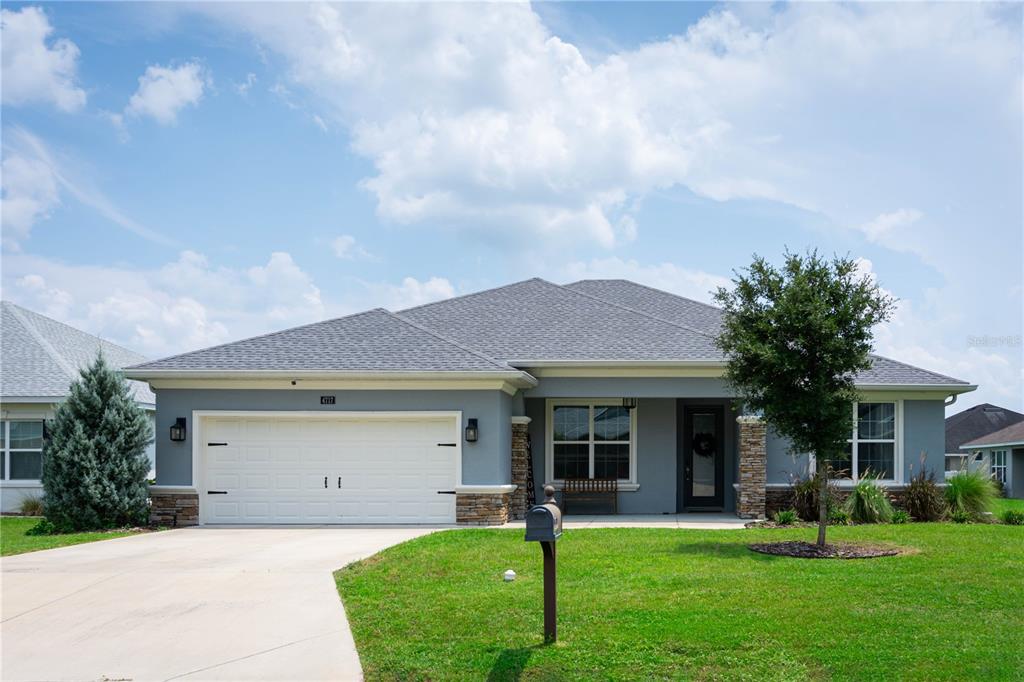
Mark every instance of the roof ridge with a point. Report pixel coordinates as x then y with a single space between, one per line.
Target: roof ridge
47 347
650 288
634 310
256 336
22 310
453 342
474 293
919 369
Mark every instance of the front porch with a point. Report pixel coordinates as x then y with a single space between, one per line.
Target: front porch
671 457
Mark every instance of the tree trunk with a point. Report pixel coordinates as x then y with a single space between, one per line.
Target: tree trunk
822 499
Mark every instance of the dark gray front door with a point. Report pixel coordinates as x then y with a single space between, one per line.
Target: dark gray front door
702 461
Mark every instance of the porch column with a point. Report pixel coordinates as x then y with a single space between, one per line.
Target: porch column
520 463
750 503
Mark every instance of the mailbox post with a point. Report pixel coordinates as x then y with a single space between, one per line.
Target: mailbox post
544 525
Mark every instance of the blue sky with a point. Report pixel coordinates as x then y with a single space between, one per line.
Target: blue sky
181 175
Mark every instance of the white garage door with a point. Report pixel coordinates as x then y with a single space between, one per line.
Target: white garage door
351 469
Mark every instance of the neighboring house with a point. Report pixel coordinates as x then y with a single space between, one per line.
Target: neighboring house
1002 454
39 358
431 414
971 424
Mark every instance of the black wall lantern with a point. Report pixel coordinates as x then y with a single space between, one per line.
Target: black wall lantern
629 403
472 431
178 430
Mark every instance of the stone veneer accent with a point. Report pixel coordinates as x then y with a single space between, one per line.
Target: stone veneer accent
520 462
173 508
781 497
482 509
753 454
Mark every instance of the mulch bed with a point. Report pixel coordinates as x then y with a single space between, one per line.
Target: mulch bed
838 550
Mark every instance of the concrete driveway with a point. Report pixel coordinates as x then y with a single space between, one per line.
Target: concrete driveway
191 604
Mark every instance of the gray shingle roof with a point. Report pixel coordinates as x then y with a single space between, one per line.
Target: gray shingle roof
374 341
700 316
977 421
538 320
488 331
40 357
1012 434
662 304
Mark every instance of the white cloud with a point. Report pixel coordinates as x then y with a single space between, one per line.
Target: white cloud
695 284
33 70
164 91
34 178
411 292
477 116
244 87
29 193
185 304
346 248
887 225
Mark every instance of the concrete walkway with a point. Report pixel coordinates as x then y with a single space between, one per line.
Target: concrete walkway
189 604
704 521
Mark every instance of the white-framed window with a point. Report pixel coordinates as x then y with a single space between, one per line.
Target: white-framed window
874 443
590 439
999 466
21 450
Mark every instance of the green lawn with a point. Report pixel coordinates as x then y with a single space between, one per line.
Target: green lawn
683 604
14 541
1002 504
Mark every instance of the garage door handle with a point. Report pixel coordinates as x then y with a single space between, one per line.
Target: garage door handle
339 482
216 492
325 481
445 492
447 445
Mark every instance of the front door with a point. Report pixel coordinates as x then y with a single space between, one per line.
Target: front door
702 458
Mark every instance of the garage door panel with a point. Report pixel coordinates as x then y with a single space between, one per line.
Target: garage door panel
274 467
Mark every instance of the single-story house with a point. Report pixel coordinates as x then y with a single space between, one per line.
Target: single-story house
39 359
1002 454
969 425
447 411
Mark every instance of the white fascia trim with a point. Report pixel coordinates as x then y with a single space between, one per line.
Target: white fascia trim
172 489
32 399
617 363
990 446
948 388
484 489
147 374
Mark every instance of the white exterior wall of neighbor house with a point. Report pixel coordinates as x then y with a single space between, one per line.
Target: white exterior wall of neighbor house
1004 462
13 492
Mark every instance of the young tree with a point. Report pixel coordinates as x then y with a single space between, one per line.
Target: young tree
94 457
795 338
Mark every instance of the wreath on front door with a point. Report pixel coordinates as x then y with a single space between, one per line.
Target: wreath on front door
704 444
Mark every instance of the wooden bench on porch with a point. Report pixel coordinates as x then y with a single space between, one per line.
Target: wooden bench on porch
590 490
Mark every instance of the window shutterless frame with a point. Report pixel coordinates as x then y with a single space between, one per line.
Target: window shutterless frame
7 450
590 404
855 440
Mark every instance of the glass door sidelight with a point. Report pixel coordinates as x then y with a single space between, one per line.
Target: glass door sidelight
703 458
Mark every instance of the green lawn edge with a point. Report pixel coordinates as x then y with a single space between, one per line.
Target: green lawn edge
13 539
692 604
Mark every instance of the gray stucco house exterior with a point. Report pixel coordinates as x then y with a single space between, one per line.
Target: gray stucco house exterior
435 414
39 358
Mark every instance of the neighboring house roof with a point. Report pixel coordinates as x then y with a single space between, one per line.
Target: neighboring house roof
370 342
977 422
1012 435
40 356
525 324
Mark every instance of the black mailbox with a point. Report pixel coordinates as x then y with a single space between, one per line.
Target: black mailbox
544 523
